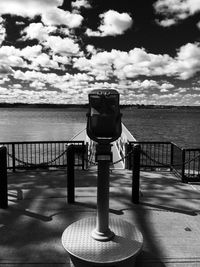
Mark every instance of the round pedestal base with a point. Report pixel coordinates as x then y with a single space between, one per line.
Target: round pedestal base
86 251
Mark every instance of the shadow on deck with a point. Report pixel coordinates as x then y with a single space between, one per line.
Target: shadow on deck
38 213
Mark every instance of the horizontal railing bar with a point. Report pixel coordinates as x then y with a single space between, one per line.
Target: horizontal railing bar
192 149
150 142
42 142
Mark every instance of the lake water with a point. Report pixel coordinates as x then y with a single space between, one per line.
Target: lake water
181 126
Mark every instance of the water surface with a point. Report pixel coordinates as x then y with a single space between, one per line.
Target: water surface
181 126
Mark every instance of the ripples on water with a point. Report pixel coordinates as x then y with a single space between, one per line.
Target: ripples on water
181 126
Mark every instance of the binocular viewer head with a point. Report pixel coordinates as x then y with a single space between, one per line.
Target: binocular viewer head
104 117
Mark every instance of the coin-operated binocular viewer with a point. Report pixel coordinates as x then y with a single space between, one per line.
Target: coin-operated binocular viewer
104 127
104 117
100 240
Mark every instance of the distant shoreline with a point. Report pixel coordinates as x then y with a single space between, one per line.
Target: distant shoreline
83 106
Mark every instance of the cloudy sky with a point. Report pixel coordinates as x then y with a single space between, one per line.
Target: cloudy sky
55 51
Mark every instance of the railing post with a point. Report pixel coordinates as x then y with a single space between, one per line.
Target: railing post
126 163
129 157
83 156
172 157
136 174
70 173
183 166
86 156
13 157
3 178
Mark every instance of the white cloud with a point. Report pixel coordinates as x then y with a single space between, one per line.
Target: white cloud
61 59
91 49
50 78
28 8
126 64
112 23
5 71
3 80
44 61
57 16
31 52
2 31
10 57
36 31
138 62
3 91
166 22
187 62
51 15
17 86
149 84
80 4
165 87
61 46
38 85
174 11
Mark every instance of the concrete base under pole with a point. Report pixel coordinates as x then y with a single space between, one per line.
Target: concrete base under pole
85 251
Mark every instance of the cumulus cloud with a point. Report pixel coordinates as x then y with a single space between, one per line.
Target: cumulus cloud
31 52
2 31
10 57
112 23
56 81
49 11
126 64
63 46
17 86
62 59
80 4
44 61
28 8
174 11
138 62
36 31
187 62
5 70
38 85
57 16
91 49
60 46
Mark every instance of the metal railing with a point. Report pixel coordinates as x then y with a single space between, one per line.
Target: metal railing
183 162
153 154
191 157
177 160
42 154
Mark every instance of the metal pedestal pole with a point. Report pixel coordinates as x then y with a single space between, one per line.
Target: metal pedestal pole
102 241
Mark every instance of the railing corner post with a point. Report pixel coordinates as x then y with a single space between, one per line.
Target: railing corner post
129 158
70 173
183 166
3 178
13 156
172 157
126 162
83 155
136 174
86 155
